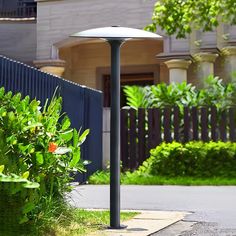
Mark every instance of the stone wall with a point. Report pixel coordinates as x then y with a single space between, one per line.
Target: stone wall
88 62
56 20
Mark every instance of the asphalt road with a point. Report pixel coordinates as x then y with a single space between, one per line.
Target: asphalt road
213 208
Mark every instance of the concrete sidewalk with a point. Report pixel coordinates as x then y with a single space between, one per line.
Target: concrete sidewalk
145 223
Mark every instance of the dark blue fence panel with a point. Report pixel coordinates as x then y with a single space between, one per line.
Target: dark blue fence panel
73 100
92 119
83 105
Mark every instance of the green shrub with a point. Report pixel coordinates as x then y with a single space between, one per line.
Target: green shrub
214 93
37 150
199 159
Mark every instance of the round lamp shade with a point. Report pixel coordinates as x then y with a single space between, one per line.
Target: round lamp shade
116 32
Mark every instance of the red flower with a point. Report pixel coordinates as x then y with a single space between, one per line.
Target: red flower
52 147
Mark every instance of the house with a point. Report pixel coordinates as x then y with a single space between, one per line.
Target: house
45 41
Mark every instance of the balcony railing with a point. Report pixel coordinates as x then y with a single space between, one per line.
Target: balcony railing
21 12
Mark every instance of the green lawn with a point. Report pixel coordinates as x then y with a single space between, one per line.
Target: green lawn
133 178
84 222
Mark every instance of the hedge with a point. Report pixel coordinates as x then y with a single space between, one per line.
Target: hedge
197 159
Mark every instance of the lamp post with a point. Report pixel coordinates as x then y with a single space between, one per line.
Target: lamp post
115 36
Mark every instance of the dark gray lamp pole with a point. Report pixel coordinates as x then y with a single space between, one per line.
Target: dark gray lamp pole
115 36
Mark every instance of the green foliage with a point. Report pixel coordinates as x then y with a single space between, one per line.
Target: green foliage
181 17
215 93
36 150
140 178
196 159
146 179
100 177
181 94
138 96
160 95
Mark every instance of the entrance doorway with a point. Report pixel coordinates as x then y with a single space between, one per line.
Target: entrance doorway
142 79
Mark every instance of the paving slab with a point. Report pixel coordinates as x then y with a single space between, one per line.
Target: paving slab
145 223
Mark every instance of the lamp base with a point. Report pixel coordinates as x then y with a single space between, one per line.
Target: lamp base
118 227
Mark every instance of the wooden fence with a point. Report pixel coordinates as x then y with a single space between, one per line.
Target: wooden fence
144 129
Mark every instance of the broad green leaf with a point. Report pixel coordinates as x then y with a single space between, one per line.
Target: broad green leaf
67 136
83 136
136 96
66 123
75 138
6 179
2 92
11 116
31 185
8 95
12 139
3 112
13 178
16 98
39 158
23 148
75 159
26 100
2 168
34 105
17 178
25 175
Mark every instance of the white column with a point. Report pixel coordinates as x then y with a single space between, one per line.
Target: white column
177 70
205 67
51 66
230 62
